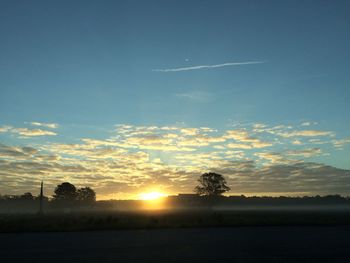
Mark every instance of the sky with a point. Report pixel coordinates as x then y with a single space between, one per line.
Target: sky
128 97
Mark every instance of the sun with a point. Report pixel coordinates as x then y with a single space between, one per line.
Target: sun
151 196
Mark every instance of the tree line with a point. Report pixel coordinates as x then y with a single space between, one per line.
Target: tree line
209 185
63 193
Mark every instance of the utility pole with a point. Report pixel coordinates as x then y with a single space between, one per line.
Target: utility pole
41 198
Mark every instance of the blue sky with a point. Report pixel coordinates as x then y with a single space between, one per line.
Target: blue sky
90 65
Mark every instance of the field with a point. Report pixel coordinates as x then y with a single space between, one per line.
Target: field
87 221
312 235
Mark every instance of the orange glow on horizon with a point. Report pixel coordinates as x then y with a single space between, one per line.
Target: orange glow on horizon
151 196
153 200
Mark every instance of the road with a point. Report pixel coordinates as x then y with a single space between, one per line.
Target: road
240 244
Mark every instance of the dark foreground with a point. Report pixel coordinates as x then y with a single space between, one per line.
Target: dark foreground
238 244
97 221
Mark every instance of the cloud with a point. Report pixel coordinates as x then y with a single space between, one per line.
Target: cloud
308 123
318 141
89 150
198 96
111 170
16 152
47 125
293 178
239 146
341 143
272 157
165 138
87 164
183 139
171 158
5 128
239 135
209 66
156 142
297 142
304 152
219 147
25 132
32 132
290 156
189 131
305 133
243 136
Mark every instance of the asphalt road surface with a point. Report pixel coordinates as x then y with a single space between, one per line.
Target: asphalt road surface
239 244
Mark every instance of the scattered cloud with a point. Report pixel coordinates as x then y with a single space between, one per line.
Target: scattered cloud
16 152
290 156
197 96
32 132
189 131
47 125
22 168
305 133
5 129
304 152
273 157
254 159
239 146
341 143
297 142
209 66
308 123
25 132
243 136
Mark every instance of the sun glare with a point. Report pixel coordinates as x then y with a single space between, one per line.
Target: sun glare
151 196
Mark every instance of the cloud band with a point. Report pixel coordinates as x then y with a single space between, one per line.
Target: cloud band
209 66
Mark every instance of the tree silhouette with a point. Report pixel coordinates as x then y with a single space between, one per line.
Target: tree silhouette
65 192
211 184
27 196
86 195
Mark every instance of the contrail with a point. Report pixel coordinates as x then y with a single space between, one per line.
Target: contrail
209 66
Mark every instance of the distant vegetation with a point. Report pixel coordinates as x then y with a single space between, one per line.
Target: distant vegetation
68 198
76 209
66 194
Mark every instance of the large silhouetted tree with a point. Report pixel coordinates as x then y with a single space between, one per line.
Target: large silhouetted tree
211 184
86 195
65 192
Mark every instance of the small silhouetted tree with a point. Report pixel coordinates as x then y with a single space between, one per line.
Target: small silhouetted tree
27 196
86 195
65 192
211 184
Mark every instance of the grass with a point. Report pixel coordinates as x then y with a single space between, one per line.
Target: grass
89 221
